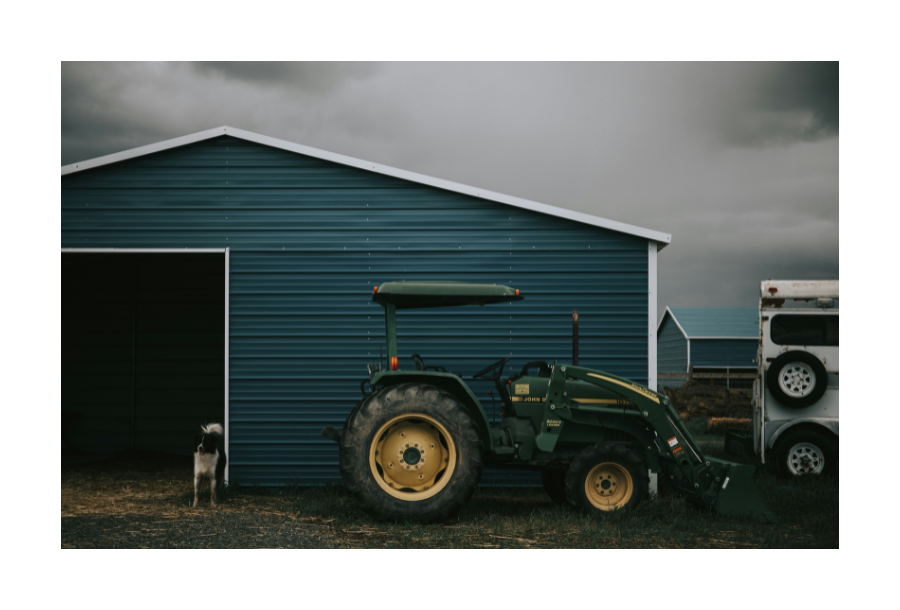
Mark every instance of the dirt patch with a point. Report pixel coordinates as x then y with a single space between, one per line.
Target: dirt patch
144 502
216 530
148 484
696 399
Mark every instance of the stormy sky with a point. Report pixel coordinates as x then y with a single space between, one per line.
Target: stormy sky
738 161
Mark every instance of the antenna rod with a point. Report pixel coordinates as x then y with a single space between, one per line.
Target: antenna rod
575 337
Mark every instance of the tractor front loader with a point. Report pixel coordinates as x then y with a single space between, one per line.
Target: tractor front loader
414 447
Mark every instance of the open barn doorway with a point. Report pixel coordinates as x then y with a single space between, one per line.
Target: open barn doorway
144 349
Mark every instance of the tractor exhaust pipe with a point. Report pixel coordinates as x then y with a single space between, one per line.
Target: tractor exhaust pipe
575 337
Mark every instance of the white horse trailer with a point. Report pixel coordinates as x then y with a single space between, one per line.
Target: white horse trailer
795 394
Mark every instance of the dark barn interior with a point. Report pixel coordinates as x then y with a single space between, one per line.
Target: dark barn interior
143 350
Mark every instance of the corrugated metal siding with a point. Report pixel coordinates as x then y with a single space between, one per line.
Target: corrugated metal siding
671 353
308 241
723 352
718 321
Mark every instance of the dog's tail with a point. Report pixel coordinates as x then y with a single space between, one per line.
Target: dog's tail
213 429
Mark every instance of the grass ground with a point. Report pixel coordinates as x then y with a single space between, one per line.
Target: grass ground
146 502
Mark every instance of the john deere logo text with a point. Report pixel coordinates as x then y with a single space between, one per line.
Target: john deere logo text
528 398
631 386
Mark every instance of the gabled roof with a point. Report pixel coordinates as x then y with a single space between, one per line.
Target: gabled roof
714 322
663 239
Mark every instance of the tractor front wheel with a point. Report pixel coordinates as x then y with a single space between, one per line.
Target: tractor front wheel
411 452
606 477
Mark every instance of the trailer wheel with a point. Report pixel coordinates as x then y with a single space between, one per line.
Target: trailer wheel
797 379
805 452
606 477
411 452
554 480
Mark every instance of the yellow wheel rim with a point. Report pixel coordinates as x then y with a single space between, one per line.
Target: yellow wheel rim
412 457
608 486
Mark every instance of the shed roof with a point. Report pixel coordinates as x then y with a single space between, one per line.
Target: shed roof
715 322
662 239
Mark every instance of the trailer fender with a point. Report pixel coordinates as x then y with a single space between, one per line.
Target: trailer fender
828 424
448 382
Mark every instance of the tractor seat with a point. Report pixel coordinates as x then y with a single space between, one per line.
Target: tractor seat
420 365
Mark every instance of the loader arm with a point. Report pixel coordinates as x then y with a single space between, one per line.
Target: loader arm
724 486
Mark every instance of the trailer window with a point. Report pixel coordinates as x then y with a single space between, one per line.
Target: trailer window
831 330
805 330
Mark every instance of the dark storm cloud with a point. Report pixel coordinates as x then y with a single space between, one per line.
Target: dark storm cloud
738 161
767 104
313 76
807 86
99 110
114 106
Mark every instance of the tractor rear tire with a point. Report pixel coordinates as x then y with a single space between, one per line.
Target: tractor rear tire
411 452
554 480
606 477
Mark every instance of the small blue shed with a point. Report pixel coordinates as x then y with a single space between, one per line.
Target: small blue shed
227 275
713 339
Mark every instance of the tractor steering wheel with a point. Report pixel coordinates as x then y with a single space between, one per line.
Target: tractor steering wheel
499 364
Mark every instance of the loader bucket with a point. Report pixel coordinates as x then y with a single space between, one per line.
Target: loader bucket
738 495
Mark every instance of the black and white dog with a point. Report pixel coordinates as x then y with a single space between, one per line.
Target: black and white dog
209 459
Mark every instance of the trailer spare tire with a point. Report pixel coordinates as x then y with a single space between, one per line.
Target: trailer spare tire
411 452
797 379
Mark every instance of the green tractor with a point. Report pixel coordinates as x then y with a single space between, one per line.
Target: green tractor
414 447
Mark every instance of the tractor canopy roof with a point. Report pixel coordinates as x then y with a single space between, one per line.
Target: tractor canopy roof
411 295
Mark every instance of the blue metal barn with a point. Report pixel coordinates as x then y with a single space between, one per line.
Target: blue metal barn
723 339
229 275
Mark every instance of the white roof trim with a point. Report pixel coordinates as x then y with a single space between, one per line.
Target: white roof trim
669 313
143 250
696 368
689 337
735 338
663 239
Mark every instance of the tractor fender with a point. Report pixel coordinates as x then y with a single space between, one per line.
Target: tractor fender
449 383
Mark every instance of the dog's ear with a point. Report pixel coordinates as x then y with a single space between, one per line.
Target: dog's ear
212 441
196 441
